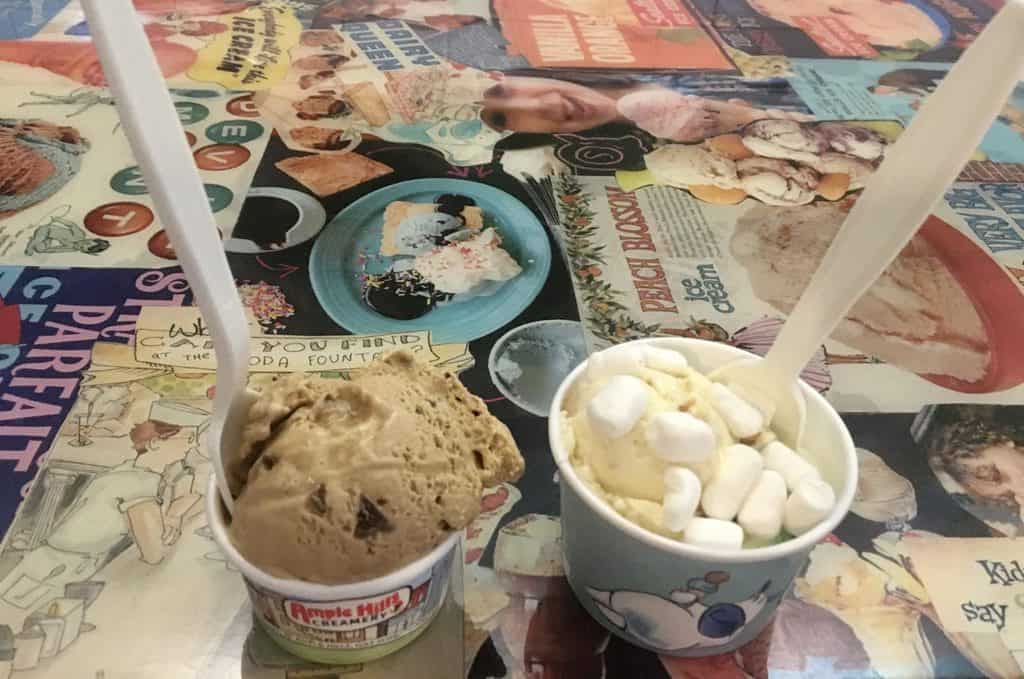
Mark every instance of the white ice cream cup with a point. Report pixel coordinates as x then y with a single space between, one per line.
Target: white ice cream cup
680 599
341 624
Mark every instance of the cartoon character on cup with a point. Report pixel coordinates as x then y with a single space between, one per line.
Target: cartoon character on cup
683 621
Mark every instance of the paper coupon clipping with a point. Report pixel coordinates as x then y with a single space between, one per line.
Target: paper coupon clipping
178 337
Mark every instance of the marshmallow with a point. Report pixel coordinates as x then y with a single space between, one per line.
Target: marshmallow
739 471
763 402
680 438
631 359
666 361
811 501
761 514
782 459
682 495
743 419
622 359
713 533
618 406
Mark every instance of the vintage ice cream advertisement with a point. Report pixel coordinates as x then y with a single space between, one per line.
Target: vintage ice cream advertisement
616 34
845 90
49 321
380 78
76 196
935 328
977 587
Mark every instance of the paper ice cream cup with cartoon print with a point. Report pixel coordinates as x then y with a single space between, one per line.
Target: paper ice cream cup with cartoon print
342 624
668 596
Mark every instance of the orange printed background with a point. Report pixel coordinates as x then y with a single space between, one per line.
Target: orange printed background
608 34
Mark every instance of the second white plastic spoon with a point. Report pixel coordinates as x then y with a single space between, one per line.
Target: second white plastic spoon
901 194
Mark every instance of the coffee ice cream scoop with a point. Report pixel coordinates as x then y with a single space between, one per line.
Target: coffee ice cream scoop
683 165
343 482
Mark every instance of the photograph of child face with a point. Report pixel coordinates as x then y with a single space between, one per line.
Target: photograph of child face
546 105
977 453
671 109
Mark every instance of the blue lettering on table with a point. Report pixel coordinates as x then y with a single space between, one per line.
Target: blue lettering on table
1009 198
998 234
370 45
369 42
409 43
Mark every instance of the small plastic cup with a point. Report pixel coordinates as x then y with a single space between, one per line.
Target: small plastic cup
679 599
341 624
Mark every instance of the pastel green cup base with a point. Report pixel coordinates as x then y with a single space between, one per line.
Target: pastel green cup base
356 656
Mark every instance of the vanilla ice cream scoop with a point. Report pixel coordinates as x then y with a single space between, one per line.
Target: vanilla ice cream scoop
777 182
616 419
682 165
785 139
683 456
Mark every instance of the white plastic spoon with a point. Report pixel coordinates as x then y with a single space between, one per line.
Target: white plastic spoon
918 168
158 140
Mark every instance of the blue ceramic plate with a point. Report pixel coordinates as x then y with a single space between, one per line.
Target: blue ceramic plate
337 263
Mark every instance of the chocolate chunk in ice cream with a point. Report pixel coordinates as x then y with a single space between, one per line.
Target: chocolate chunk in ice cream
337 483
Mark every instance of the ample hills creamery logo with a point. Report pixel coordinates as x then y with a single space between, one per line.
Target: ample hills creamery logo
351 614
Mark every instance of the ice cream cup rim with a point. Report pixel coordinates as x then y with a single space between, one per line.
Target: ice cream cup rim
567 475
215 512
